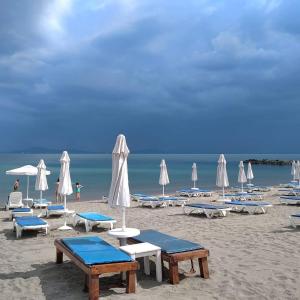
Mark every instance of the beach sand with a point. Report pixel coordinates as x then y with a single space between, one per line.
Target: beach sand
251 256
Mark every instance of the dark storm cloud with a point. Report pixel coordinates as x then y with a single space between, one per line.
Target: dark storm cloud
193 76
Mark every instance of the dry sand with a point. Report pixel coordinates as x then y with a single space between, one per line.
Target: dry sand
251 256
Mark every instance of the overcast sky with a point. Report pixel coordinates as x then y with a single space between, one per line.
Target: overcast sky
194 76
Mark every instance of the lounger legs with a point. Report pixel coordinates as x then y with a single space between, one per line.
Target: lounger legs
93 287
59 257
130 281
173 272
203 265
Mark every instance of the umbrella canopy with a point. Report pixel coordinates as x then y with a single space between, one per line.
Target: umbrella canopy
41 179
222 178
249 172
194 174
242 176
119 194
293 170
65 184
27 170
163 177
297 171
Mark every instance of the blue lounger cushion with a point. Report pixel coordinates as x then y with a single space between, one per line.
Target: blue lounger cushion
93 216
40 201
92 250
206 206
23 209
290 197
168 198
247 203
149 198
30 221
167 243
296 215
194 190
55 207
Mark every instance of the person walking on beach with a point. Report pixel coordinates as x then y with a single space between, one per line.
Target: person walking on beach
78 188
57 195
16 185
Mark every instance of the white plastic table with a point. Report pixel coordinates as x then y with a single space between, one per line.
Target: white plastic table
122 235
145 250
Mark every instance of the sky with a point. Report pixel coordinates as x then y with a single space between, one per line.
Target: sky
194 76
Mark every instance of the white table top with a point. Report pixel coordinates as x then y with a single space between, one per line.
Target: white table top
139 248
123 234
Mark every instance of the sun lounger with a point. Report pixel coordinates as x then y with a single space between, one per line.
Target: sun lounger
55 210
41 203
152 202
21 212
243 196
136 197
161 201
29 223
173 201
295 220
209 210
14 200
95 257
91 219
174 250
288 185
194 192
248 206
290 200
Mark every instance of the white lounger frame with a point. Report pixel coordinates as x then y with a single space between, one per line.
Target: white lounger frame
295 221
90 224
56 212
194 194
289 201
19 229
14 200
163 203
21 214
153 203
209 212
250 209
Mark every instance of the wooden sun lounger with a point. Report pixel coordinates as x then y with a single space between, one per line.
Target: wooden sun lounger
174 258
92 272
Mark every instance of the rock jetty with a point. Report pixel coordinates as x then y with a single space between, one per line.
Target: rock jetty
273 162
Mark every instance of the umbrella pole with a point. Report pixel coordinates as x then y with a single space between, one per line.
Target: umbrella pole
27 186
242 188
65 206
194 183
163 190
123 218
41 197
223 193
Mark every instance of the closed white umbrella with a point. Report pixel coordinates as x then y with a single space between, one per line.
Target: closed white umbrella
222 178
41 179
293 170
119 194
242 176
163 178
250 175
27 170
65 184
194 174
297 172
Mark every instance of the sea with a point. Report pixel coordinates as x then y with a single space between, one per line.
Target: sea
93 171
